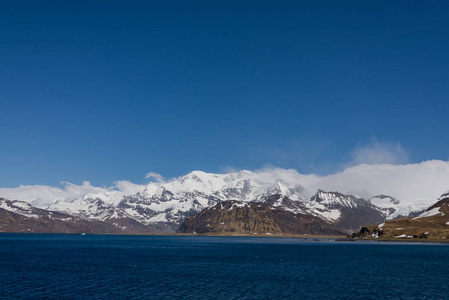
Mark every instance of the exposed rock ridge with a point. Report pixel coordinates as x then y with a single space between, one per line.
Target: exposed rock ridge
254 218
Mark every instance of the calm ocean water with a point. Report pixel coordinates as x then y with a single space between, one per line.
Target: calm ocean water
176 267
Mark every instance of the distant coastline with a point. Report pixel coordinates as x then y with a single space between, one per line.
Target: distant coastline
308 238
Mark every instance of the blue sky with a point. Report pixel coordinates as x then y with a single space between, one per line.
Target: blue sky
110 90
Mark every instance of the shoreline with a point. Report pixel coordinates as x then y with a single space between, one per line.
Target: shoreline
399 240
295 236
188 234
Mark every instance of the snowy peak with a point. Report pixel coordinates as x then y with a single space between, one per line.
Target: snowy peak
294 192
244 189
19 216
196 181
244 186
346 211
29 211
395 208
19 207
241 190
89 208
335 199
152 190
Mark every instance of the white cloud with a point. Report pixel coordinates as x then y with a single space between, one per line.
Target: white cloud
228 169
289 176
156 176
409 182
127 187
380 153
42 194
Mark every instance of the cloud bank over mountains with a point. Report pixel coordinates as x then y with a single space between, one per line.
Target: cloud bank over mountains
410 182
407 182
380 153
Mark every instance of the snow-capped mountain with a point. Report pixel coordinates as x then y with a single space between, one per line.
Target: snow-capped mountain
346 211
22 208
166 204
20 216
396 209
170 203
166 208
88 207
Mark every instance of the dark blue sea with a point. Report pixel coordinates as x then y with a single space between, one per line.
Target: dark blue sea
38 266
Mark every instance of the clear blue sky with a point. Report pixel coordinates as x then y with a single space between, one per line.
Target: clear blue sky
109 90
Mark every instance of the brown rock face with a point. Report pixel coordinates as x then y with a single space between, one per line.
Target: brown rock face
239 218
432 224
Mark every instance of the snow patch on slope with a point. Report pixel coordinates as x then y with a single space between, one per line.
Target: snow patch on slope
433 212
18 207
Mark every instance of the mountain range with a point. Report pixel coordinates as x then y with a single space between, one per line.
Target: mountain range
164 206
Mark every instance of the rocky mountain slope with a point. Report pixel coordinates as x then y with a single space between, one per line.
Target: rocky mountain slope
433 223
237 217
